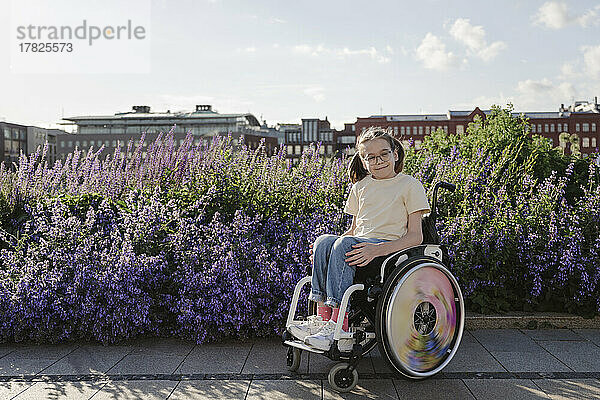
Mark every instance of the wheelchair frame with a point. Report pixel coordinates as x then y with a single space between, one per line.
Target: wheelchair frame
343 376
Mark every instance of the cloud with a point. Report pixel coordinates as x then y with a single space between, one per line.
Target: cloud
555 15
591 60
531 91
474 38
341 52
316 92
432 53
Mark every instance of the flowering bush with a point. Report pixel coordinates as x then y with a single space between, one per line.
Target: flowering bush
202 242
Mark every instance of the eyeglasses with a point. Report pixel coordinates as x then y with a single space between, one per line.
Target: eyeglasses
385 156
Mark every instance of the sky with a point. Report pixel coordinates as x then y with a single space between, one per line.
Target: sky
283 60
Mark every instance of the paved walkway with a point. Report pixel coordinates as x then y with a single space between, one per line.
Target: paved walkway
490 364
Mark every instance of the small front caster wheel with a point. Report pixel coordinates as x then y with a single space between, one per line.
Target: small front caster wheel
293 358
341 379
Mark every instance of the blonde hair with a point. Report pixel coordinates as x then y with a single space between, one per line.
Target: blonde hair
356 169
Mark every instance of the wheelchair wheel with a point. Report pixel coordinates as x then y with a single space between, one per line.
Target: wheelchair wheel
420 317
342 380
294 356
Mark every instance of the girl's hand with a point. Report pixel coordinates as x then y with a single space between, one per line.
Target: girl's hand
311 253
363 253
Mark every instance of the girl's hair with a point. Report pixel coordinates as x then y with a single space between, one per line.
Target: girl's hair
356 169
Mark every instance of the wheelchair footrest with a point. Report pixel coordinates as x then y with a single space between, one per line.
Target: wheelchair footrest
300 345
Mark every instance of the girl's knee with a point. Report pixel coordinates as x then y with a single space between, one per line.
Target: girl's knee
324 239
344 242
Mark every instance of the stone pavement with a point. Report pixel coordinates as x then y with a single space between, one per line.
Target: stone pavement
490 364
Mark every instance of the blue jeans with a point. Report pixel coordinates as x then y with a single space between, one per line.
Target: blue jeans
332 275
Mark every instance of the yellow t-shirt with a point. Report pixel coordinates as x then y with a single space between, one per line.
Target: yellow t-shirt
382 206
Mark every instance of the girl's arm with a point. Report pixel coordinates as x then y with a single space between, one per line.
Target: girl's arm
350 232
413 237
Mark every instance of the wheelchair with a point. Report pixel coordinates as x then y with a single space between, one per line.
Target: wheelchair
406 303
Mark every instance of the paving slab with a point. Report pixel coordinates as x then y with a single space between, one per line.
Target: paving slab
553 334
88 359
10 365
471 356
516 361
8 390
380 365
125 390
593 335
210 389
513 389
570 389
144 364
319 364
506 340
434 389
268 356
61 390
221 358
366 389
55 351
284 390
579 356
4 350
162 346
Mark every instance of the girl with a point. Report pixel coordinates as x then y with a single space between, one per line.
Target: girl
387 206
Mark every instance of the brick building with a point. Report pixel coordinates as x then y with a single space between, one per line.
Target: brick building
581 118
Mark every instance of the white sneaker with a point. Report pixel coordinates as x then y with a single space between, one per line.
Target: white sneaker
305 328
323 339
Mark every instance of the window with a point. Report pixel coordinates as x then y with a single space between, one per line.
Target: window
106 143
586 142
6 133
551 127
414 130
593 142
539 128
297 150
420 130
353 128
329 149
402 131
85 143
322 150
114 143
395 130
546 129
593 127
577 128
427 130
533 128
460 129
70 144
92 143
417 144
290 149
565 128
77 143
62 144
586 127
446 129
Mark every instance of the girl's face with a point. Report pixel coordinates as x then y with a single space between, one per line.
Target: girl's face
378 158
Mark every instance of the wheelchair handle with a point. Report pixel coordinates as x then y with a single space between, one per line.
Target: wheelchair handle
446 185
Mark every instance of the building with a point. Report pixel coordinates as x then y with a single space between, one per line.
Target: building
346 139
581 118
299 137
12 141
38 136
110 130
